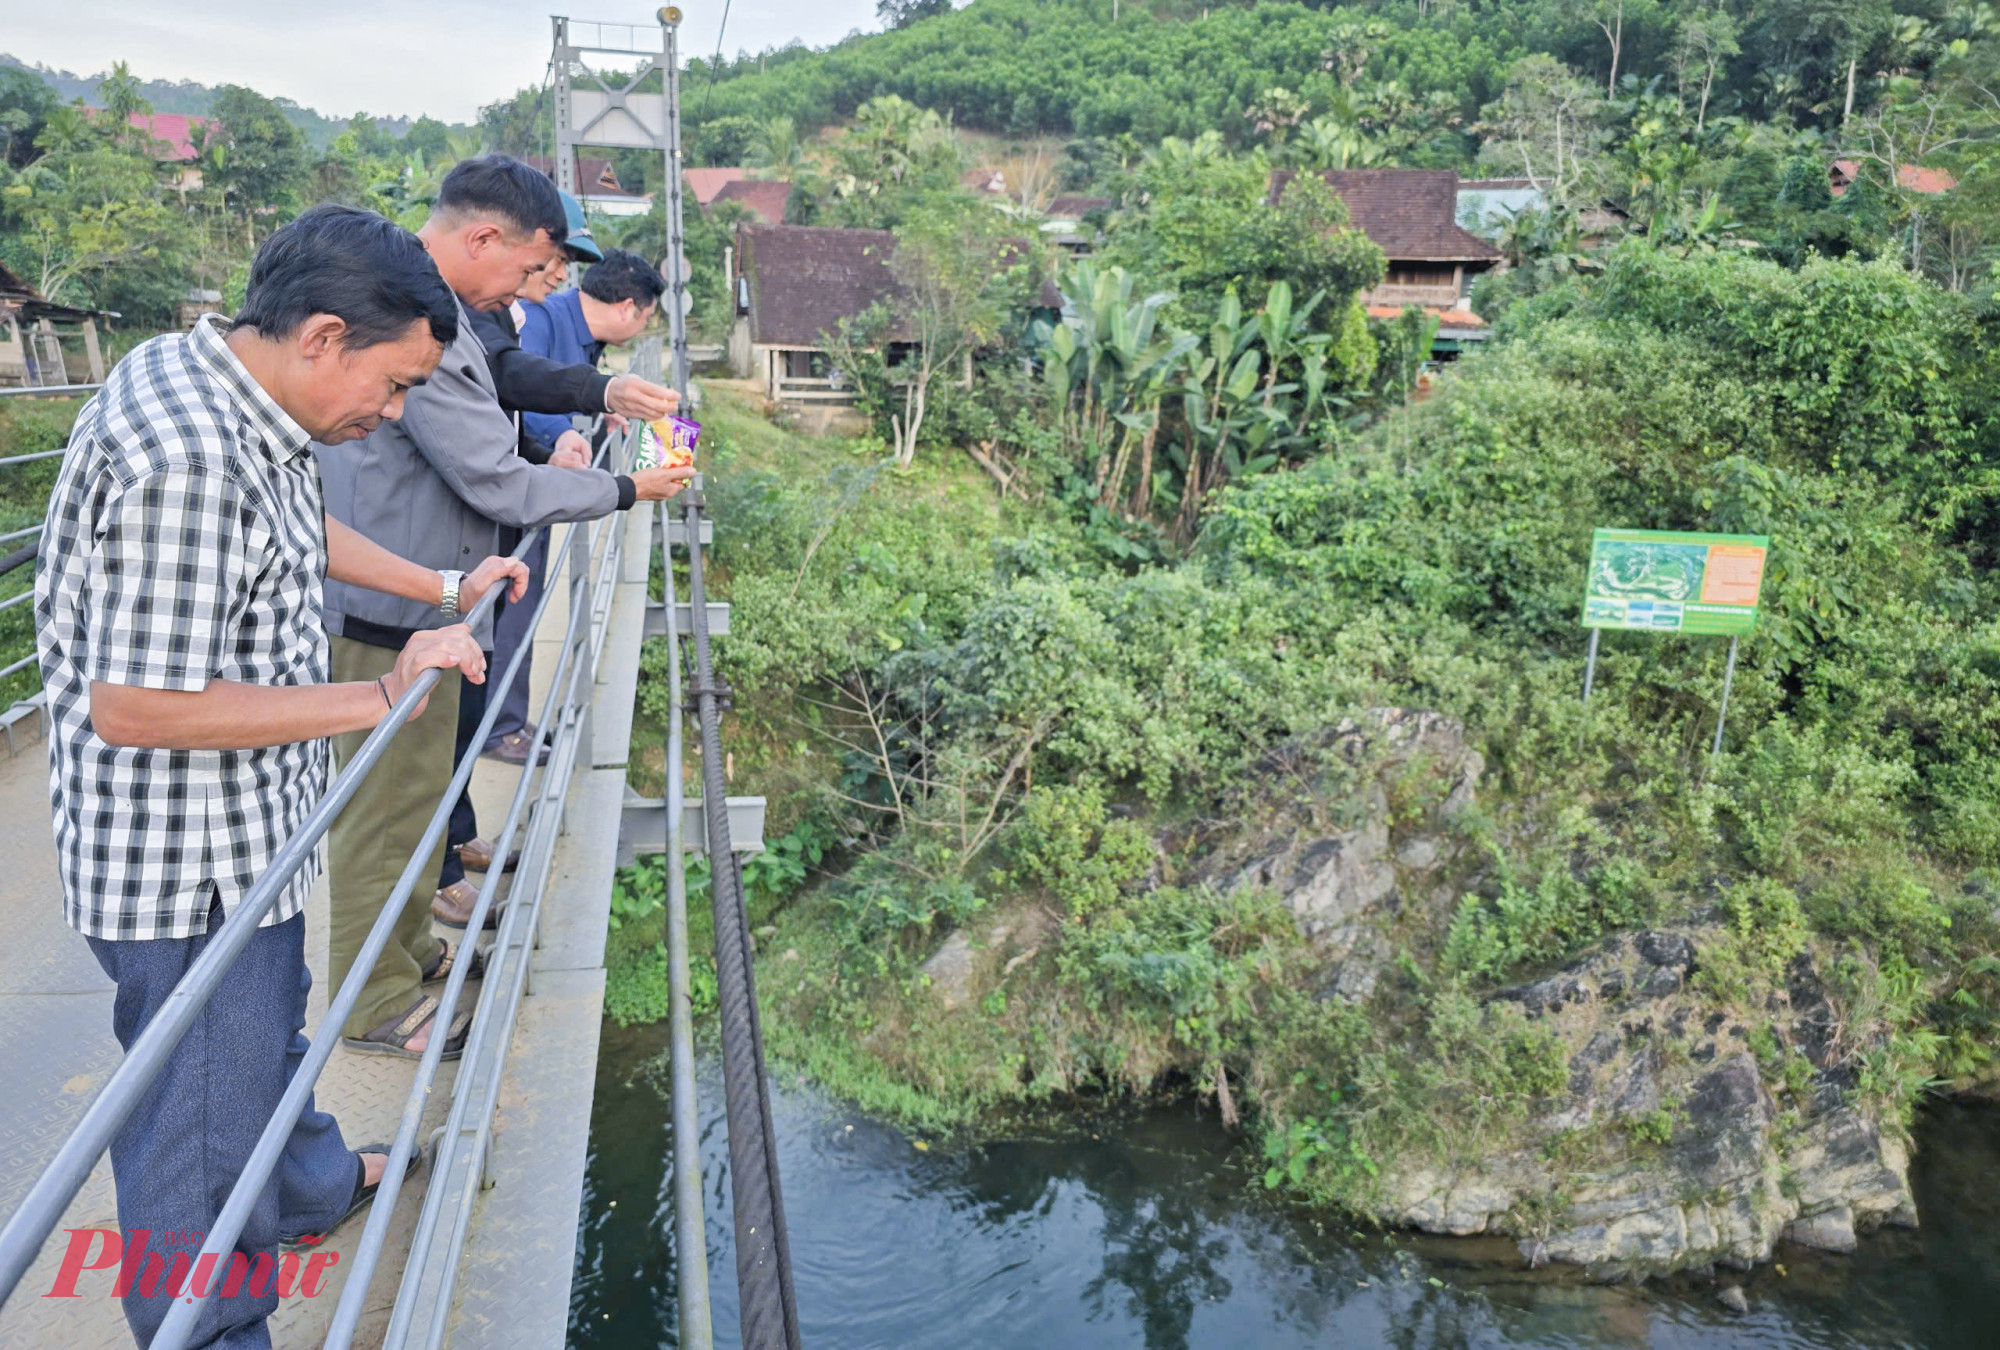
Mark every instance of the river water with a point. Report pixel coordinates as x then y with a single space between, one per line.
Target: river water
1148 1227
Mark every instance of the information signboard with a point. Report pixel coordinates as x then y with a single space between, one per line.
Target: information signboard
1664 581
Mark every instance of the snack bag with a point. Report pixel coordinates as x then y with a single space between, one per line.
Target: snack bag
668 443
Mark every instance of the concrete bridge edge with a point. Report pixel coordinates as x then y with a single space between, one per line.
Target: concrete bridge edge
514 1289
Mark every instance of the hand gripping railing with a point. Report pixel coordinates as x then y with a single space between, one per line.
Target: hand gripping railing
31 1224
505 982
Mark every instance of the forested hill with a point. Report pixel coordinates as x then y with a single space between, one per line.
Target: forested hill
1176 68
192 98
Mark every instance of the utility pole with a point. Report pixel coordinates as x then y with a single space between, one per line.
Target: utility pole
677 276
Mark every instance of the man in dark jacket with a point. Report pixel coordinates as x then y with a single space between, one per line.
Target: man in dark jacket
437 486
530 383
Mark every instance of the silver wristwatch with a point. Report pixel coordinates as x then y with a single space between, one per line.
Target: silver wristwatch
449 604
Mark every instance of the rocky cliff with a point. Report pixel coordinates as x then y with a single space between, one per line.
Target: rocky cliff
1670 1147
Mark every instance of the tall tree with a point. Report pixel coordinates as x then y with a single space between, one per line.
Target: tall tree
1706 39
264 162
1547 123
903 13
26 104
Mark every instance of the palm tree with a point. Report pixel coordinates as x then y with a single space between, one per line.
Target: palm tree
776 151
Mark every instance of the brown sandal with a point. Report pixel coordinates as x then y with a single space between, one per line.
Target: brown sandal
440 968
393 1036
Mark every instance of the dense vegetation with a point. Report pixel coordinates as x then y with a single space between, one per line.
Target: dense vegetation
994 715
997 648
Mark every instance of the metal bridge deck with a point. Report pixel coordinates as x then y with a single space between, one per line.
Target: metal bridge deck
56 1050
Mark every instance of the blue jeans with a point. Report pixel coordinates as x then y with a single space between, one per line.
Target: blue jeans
177 1156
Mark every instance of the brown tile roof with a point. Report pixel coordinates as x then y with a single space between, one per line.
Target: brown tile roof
1447 318
1410 213
17 295
804 279
705 183
1913 177
765 200
1073 208
13 288
594 177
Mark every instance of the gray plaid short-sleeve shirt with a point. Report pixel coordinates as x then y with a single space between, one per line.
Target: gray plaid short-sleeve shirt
186 542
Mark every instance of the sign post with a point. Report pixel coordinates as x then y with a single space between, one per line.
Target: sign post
1664 581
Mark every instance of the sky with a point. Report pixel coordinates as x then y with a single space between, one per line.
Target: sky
387 57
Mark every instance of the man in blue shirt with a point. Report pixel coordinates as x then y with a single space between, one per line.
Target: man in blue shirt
612 305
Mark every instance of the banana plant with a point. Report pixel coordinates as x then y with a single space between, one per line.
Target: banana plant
1108 369
1242 406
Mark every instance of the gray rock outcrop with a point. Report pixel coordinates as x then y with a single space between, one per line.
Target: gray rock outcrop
1686 1157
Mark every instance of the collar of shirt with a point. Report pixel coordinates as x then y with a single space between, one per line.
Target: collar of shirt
285 438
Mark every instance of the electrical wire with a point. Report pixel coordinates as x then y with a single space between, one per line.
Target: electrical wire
715 65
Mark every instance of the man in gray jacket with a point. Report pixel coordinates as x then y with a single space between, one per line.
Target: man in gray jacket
436 487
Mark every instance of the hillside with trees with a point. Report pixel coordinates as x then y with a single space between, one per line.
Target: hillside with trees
1177 688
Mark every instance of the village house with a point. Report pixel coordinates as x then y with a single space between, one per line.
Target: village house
704 184
1412 215
598 188
1842 173
1486 205
1062 222
32 330
794 283
765 200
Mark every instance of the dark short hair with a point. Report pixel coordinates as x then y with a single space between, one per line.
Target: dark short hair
503 188
370 273
623 276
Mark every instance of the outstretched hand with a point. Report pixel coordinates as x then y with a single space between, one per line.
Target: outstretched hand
634 397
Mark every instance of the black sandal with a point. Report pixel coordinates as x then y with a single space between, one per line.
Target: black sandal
364 1196
393 1036
440 968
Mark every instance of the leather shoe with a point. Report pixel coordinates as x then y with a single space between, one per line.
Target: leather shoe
452 906
513 748
477 856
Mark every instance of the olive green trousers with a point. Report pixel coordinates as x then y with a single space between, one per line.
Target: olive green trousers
372 840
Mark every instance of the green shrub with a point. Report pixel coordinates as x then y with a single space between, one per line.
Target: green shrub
1065 841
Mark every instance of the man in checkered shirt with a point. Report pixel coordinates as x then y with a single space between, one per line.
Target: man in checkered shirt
179 620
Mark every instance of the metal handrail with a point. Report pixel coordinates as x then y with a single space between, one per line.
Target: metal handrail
690 1237
37 455
48 390
42 1209
29 1227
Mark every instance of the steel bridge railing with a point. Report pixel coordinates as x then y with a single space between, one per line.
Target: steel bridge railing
593 553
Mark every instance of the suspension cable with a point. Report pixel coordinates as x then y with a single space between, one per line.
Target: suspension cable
763 1248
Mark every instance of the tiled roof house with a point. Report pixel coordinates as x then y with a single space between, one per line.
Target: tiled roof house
765 200
1412 215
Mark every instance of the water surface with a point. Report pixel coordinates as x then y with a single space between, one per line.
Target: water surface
1147 1228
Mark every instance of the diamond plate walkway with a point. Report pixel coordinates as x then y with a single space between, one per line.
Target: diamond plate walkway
56 1050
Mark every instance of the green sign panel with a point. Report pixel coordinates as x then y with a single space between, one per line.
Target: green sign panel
1667 582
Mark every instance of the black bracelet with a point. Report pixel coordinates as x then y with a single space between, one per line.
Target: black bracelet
385 691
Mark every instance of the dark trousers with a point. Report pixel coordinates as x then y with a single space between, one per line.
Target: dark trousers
464 826
185 1144
510 634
